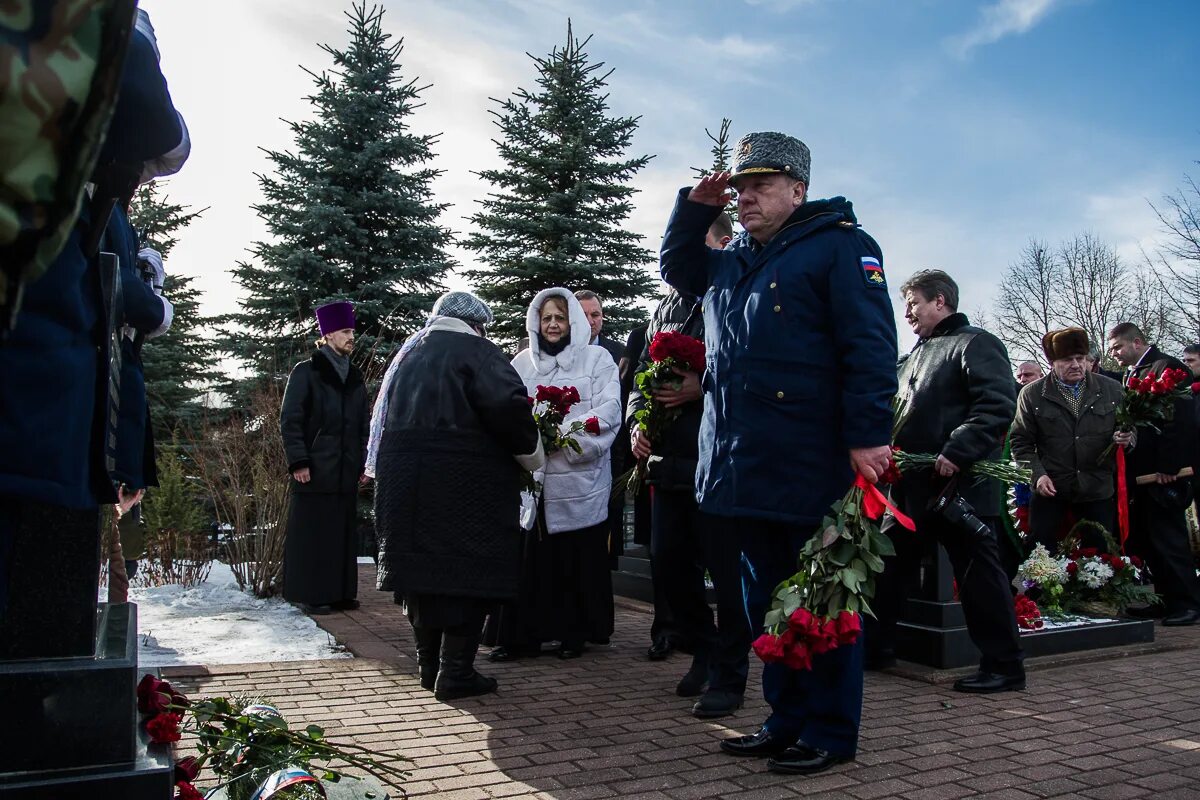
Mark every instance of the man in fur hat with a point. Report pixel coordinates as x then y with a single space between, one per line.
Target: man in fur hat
325 425
1065 420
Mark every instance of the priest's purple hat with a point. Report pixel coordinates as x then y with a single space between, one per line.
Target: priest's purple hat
335 317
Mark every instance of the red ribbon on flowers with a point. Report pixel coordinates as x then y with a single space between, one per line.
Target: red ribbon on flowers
874 503
1122 497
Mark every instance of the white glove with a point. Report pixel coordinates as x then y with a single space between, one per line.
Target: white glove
153 259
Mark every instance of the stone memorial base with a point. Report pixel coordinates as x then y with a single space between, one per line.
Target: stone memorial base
934 634
71 726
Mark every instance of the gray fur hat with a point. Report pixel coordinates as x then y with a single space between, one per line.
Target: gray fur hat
464 306
768 151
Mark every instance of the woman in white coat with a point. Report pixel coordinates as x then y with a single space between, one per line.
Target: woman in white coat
566 586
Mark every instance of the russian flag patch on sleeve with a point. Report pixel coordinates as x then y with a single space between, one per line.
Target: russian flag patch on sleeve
873 272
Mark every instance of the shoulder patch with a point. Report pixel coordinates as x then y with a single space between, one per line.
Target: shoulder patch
873 272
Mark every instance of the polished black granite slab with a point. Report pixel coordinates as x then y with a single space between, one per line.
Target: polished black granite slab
73 712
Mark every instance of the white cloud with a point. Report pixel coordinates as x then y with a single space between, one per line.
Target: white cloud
737 48
1002 18
779 6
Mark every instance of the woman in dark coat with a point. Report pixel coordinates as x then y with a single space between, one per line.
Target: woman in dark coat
450 436
325 422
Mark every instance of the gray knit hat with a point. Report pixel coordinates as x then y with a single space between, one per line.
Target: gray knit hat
771 152
464 306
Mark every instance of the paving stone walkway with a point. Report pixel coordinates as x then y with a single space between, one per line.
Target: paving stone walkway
609 724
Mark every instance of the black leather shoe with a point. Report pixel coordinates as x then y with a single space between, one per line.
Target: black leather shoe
315 611
567 653
345 605
1187 617
758 744
803 760
659 651
503 653
716 704
990 683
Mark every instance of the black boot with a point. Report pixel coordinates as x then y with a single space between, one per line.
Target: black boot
457 676
429 648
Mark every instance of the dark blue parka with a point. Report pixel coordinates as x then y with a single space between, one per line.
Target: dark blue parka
49 387
143 313
801 358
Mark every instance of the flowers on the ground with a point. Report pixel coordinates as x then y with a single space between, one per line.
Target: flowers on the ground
1083 579
1045 574
155 696
186 769
185 791
164 728
1029 616
244 740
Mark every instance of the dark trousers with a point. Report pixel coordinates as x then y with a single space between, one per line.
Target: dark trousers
1047 514
1158 533
983 588
822 706
684 541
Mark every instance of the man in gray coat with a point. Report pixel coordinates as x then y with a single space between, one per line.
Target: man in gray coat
1065 421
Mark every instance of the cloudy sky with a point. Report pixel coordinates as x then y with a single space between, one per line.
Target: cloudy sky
958 129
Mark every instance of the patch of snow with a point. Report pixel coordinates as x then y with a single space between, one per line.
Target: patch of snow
216 623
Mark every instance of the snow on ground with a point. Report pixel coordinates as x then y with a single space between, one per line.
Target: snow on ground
216 623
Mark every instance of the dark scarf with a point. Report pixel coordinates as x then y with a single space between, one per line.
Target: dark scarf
341 363
553 348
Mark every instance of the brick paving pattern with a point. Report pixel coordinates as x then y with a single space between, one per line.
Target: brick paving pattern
610 725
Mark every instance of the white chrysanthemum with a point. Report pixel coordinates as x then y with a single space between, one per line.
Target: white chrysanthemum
1094 573
1041 569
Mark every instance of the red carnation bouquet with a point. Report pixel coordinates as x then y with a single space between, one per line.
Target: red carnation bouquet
1150 401
671 354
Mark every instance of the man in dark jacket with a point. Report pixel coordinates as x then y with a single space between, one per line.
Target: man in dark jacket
619 461
1065 421
957 400
1157 508
800 341
325 424
684 541
1191 358
455 432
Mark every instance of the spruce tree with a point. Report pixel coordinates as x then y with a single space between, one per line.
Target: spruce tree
178 363
721 151
556 213
350 213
